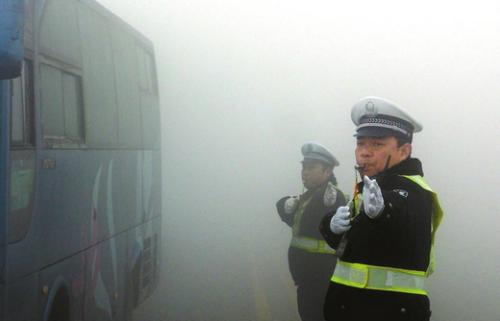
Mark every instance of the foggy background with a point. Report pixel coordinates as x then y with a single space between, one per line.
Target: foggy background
243 84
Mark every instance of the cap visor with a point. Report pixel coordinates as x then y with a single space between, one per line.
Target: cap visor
310 159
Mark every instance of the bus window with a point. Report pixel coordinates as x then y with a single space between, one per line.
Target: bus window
59 36
72 106
149 101
22 177
143 74
22 133
101 123
17 113
127 90
151 71
147 75
61 106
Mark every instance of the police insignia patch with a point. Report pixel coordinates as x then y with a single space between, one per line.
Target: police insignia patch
330 196
402 192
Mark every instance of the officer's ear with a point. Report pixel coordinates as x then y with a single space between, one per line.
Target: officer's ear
405 150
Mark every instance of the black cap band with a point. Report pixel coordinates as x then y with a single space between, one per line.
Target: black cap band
384 125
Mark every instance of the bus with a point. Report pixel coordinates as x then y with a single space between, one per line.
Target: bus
80 175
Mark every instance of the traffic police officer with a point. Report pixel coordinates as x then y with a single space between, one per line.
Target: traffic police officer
311 260
385 236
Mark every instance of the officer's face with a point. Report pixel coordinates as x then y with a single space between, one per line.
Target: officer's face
315 174
372 153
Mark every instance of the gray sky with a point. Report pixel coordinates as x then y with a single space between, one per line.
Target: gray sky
244 83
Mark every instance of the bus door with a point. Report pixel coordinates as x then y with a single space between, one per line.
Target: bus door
21 254
11 54
4 100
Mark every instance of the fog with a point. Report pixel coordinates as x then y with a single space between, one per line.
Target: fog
244 83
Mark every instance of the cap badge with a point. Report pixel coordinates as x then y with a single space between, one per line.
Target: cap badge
371 109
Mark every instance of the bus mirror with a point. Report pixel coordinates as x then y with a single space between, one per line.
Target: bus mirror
11 38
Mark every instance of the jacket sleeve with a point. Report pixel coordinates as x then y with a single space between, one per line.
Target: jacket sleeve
403 199
324 228
280 207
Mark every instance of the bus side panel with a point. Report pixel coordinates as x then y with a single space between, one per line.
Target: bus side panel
144 268
97 197
64 208
22 299
62 283
106 277
152 184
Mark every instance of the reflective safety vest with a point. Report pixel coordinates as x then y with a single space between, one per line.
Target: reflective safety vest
311 245
303 242
384 278
437 216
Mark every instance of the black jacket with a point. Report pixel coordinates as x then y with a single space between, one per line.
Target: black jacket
400 238
307 267
314 211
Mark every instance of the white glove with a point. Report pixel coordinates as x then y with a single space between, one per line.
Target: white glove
330 196
341 222
373 201
291 204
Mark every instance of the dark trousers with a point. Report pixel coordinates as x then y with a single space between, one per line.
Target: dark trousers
343 303
310 297
311 273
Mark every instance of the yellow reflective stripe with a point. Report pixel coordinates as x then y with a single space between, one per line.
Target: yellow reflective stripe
437 216
311 245
380 278
299 213
357 203
353 274
306 243
419 180
323 247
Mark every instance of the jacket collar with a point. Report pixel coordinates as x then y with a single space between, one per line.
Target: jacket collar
410 166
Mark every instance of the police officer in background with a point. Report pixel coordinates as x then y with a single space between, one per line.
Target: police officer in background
385 237
311 260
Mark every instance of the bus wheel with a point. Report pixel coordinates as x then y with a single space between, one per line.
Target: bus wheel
60 307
